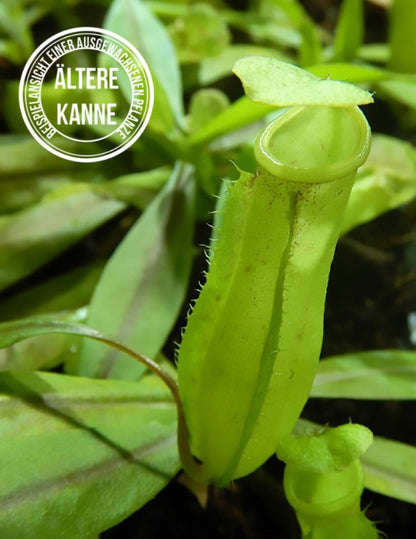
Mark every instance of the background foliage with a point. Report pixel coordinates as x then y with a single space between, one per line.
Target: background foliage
120 246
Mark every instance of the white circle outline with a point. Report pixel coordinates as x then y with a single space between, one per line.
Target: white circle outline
148 90
106 154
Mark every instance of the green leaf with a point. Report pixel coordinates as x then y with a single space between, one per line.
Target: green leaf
138 188
310 50
402 36
13 22
69 291
78 456
9 50
350 30
37 159
390 469
41 352
355 73
18 330
201 32
277 22
375 52
34 236
240 113
381 374
133 20
220 66
325 450
148 276
205 105
402 90
276 83
19 192
384 182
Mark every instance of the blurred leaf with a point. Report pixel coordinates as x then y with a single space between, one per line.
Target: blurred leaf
272 82
47 324
205 105
138 188
240 142
50 324
389 468
310 50
290 11
199 33
384 182
19 192
402 36
133 20
220 66
374 52
9 50
42 352
276 21
78 456
13 23
10 110
401 90
240 113
148 277
71 290
355 73
23 181
36 158
381 374
34 236
350 30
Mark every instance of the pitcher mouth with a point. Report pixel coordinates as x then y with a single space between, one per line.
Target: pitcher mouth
314 144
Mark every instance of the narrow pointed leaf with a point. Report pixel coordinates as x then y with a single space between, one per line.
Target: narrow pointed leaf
355 73
32 237
382 374
78 456
39 352
240 113
68 291
18 330
401 90
390 469
144 284
384 182
138 188
350 30
219 66
133 20
310 50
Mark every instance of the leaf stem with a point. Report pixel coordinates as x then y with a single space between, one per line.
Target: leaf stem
183 435
19 330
